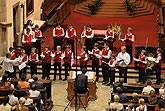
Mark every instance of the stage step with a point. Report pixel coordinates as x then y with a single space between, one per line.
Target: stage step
116 8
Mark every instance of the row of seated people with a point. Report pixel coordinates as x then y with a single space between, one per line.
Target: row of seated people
30 90
148 94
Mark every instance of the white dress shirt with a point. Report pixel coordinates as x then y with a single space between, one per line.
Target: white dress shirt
125 57
8 64
34 93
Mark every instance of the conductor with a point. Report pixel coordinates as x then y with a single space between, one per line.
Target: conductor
81 85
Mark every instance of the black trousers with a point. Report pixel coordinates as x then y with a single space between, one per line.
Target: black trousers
129 51
158 74
9 74
88 44
95 67
14 73
28 49
57 65
23 71
123 70
67 68
71 42
112 76
83 66
111 45
105 69
33 69
57 41
142 75
46 70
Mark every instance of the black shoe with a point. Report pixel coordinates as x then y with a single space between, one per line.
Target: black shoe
54 79
64 79
103 83
60 78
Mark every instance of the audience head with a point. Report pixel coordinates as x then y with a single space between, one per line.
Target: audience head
22 101
149 82
135 95
5 100
162 109
116 98
141 108
123 49
121 80
84 70
152 93
23 77
141 101
113 108
130 107
33 87
4 78
11 90
161 103
34 77
8 55
119 90
106 44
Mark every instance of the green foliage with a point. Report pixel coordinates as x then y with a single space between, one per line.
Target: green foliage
94 7
130 6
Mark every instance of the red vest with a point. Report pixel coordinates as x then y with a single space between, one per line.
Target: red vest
128 38
33 56
142 58
105 53
27 38
47 58
110 35
82 55
88 32
59 31
57 56
25 58
160 61
68 56
111 62
71 33
37 33
13 56
95 52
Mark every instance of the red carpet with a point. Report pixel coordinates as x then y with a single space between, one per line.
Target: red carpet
143 27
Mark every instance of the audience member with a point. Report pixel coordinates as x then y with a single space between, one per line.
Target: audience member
4 83
5 106
12 99
119 83
39 85
122 97
161 90
152 99
130 107
148 88
116 104
142 106
21 106
23 83
33 91
161 104
135 98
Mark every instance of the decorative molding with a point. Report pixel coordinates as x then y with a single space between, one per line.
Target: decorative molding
5 24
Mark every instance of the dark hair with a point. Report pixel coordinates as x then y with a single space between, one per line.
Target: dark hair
33 87
10 48
161 103
8 55
27 29
34 77
28 22
106 43
84 70
149 82
36 26
5 100
23 77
